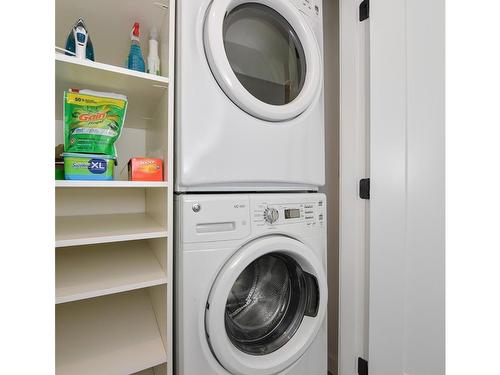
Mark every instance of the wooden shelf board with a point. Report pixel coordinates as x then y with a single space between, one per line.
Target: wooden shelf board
98 270
94 229
143 90
116 334
112 69
111 184
148 371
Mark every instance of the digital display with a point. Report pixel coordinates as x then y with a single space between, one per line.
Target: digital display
292 213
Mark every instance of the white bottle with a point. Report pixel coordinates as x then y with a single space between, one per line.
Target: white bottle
153 57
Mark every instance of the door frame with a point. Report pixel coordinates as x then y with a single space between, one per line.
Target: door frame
354 166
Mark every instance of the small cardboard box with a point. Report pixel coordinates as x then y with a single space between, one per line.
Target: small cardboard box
145 169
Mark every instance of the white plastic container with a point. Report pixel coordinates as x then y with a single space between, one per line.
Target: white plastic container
153 57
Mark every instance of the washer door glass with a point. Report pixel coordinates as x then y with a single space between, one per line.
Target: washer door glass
264 53
267 303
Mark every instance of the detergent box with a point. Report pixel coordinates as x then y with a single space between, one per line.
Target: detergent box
145 169
88 166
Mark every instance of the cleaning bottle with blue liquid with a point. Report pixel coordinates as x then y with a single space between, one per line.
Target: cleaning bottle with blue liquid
135 60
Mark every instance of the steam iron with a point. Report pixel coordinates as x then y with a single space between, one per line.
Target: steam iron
78 43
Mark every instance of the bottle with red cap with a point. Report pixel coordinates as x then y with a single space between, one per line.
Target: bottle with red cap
135 60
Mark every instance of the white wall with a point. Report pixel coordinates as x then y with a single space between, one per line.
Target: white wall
425 261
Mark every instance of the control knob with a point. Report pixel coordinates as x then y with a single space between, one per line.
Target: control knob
271 215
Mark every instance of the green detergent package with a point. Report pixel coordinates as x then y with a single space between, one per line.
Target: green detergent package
93 121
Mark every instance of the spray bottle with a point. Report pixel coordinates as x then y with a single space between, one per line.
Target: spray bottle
135 60
153 57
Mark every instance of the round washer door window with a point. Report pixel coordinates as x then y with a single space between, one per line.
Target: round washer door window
264 56
265 53
267 303
266 306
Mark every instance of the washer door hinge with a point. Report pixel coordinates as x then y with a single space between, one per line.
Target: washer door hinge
362 366
364 188
364 10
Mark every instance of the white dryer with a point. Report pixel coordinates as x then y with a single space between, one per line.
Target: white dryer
251 288
249 95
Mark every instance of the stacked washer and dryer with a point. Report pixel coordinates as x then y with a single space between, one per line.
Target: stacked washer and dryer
250 241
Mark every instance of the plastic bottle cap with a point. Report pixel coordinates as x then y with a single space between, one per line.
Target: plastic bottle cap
135 30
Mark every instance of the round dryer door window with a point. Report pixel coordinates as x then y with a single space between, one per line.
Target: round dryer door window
264 55
266 306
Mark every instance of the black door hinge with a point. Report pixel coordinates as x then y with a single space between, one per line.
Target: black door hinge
364 10
362 366
364 188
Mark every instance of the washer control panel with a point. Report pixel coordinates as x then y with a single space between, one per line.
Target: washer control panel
272 214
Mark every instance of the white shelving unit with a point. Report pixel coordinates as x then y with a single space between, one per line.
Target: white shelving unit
113 243
92 271
116 334
111 184
144 91
93 229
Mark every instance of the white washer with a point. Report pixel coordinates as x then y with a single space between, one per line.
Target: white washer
251 288
249 95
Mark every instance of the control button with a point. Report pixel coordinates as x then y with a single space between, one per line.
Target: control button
271 215
196 207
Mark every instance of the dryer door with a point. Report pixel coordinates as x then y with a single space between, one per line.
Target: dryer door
266 306
264 56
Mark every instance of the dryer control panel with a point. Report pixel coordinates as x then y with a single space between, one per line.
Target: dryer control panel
272 214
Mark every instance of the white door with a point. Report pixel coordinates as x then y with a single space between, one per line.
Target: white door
266 306
406 236
264 56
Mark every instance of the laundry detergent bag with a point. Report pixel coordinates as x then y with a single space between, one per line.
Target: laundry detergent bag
93 121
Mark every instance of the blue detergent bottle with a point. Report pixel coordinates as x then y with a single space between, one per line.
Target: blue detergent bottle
135 60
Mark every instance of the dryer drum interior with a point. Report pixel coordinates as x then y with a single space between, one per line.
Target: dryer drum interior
267 303
265 53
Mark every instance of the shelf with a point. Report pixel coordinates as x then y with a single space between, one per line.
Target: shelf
110 184
143 90
98 270
71 67
116 334
157 370
93 229
148 371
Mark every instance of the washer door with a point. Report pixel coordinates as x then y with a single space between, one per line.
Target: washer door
266 306
264 56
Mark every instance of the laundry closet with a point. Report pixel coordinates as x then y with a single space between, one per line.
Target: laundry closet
236 187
